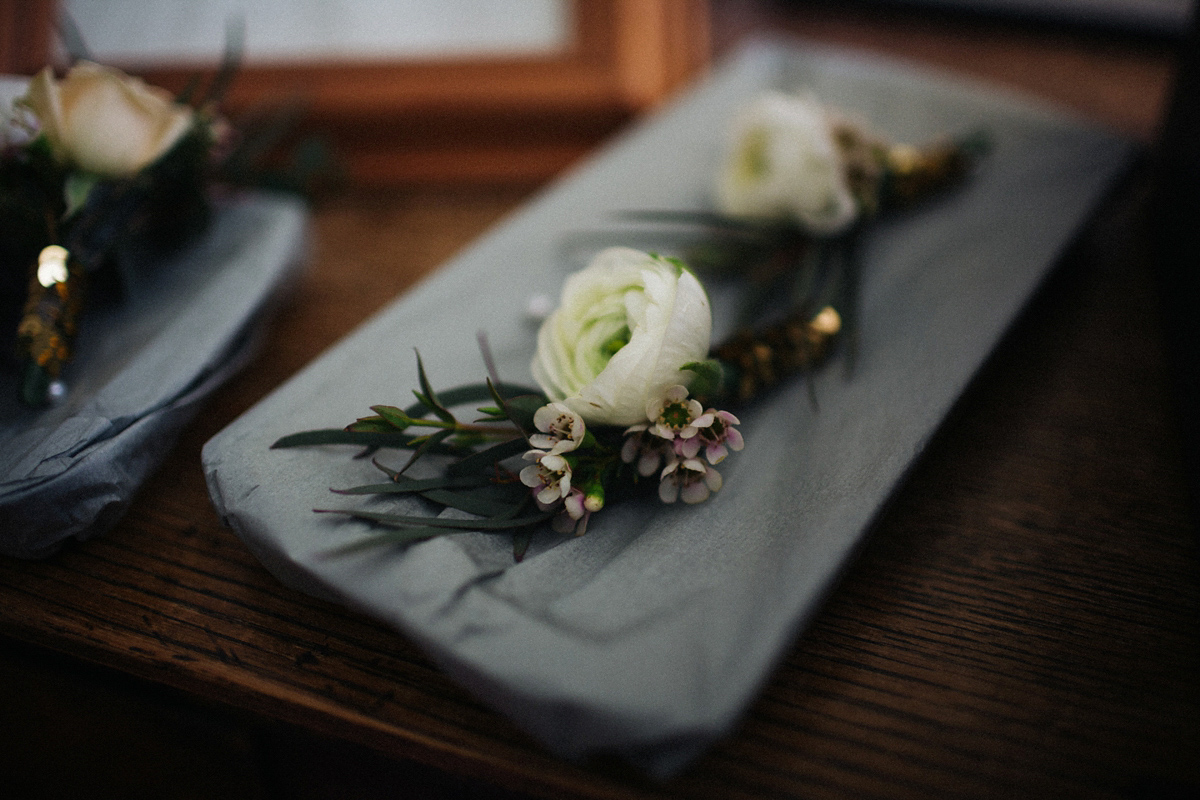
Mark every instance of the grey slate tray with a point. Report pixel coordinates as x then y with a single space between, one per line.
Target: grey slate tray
141 368
649 635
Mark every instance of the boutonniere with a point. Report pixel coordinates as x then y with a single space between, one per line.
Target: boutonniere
92 164
632 396
104 160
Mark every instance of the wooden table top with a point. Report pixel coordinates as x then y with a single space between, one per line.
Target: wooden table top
1023 622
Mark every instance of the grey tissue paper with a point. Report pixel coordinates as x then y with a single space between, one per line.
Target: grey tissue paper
648 636
142 365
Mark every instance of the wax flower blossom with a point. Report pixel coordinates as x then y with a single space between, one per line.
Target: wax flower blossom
550 477
688 479
560 430
676 430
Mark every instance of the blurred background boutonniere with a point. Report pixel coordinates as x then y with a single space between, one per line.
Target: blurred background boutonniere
102 174
798 183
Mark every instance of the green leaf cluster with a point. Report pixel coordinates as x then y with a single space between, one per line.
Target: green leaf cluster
476 482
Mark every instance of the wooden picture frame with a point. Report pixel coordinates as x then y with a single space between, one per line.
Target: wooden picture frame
485 120
26 31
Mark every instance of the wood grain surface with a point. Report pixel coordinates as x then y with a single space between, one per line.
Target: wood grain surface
1024 620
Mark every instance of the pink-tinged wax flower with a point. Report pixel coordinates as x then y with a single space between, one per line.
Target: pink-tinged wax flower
647 449
549 478
688 479
575 513
717 438
675 415
560 429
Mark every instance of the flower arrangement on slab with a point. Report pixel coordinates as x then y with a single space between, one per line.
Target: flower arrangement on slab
632 397
90 162
92 165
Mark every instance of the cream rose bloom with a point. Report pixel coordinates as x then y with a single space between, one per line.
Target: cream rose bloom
783 161
624 327
103 121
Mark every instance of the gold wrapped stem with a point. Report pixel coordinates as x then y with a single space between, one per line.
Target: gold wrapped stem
47 329
761 359
912 174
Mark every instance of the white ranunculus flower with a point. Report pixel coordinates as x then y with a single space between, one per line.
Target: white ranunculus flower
624 327
783 161
103 121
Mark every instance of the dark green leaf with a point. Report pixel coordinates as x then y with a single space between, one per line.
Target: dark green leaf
484 460
705 218
371 425
337 436
710 376
427 444
405 521
473 502
231 60
409 486
522 408
428 396
471 393
393 416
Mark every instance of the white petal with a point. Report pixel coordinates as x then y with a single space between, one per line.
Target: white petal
648 463
531 476
574 505
696 492
542 441
676 393
713 479
689 447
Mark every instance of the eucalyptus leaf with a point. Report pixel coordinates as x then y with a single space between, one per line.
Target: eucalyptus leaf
393 416
473 502
340 436
411 486
374 424
473 393
426 444
428 396
404 521
485 460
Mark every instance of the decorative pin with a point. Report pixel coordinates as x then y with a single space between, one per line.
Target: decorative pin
47 329
52 265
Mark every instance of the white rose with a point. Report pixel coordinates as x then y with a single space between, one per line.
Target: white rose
783 161
103 121
624 327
